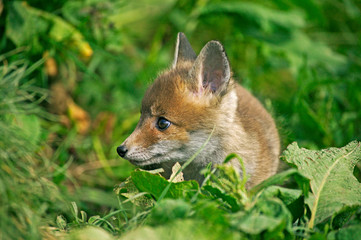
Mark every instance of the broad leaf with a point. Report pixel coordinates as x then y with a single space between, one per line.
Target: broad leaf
280 178
352 232
292 198
211 211
267 219
169 210
343 216
20 24
332 181
155 185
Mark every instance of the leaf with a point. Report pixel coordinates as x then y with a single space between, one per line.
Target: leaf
50 65
26 23
242 184
94 219
231 201
269 217
282 30
316 53
61 222
190 229
331 173
176 178
210 211
343 216
351 232
225 183
280 178
292 198
62 30
79 116
20 24
169 210
141 11
266 18
127 189
155 184
89 233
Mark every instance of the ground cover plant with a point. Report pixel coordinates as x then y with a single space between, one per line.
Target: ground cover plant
72 75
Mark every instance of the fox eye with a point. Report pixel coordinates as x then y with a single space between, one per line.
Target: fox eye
163 123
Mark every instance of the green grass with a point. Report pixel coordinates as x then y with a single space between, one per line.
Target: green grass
302 59
30 199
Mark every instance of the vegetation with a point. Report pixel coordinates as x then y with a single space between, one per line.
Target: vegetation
72 75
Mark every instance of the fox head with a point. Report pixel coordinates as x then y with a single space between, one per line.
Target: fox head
182 107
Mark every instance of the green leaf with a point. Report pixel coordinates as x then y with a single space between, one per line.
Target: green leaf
301 47
269 217
352 232
155 184
94 219
89 233
169 210
25 24
230 201
227 185
211 211
129 190
190 229
242 184
61 222
280 178
266 18
292 198
282 30
23 27
331 173
134 12
343 216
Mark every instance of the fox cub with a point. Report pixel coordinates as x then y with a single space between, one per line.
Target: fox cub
196 96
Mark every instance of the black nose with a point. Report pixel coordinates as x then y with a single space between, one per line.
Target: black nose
122 150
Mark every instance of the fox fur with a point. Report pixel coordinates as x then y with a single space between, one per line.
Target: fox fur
195 96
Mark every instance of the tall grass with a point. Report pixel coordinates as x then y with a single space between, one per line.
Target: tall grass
29 199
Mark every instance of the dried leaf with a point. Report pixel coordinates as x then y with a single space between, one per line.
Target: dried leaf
79 116
175 169
50 65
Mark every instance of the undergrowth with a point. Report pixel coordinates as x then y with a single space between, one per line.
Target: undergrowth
73 73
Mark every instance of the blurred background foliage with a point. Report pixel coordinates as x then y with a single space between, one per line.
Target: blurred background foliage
72 75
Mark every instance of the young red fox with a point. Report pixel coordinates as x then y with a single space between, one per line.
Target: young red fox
185 103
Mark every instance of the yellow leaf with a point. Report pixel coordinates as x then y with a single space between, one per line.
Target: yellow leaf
79 116
50 65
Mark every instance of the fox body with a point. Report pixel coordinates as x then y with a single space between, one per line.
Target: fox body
197 97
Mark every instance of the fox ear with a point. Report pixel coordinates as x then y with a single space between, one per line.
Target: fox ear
211 69
183 50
